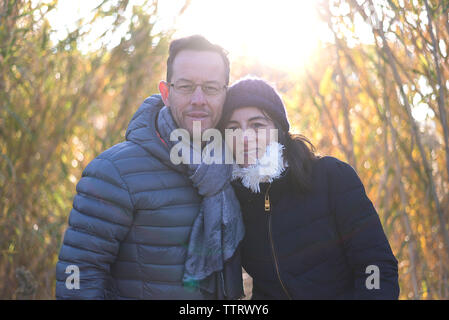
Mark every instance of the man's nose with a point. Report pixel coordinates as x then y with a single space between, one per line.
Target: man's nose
198 96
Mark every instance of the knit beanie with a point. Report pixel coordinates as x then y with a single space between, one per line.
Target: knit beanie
255 92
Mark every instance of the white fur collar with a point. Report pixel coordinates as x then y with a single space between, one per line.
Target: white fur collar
266 169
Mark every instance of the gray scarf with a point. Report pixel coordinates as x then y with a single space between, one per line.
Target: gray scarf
218 228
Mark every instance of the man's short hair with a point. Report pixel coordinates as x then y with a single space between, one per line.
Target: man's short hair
197 43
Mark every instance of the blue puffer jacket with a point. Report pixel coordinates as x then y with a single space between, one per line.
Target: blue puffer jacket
318 245
131 220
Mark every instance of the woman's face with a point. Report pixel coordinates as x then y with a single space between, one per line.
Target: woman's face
257 131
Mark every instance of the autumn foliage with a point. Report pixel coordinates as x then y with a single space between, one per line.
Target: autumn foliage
380 105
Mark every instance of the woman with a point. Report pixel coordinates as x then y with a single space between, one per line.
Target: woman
311 231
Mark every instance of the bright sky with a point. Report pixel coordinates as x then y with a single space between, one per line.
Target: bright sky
281 33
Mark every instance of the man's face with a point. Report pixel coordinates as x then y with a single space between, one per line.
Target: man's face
197 67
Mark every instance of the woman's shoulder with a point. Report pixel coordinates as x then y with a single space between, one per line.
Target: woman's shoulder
330 163
340 174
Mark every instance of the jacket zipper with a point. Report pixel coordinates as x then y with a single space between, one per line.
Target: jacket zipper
223 285
268 209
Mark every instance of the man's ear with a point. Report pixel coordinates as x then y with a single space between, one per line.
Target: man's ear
164 89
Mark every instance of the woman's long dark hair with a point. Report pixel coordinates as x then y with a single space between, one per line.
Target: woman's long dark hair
300 155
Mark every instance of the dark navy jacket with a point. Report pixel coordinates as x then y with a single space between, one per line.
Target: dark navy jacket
316 245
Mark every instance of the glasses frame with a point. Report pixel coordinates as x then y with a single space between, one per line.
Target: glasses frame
196 85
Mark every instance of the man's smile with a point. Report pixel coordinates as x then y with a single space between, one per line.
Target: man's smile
197 115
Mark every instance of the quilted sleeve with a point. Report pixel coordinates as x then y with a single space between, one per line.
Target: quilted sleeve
365 244
101 216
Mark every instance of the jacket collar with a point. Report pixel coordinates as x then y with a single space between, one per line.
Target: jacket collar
279 187
266 169
142 130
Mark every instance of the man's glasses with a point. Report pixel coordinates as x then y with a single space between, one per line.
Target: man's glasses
210 88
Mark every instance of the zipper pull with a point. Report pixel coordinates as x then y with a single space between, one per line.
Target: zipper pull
267 199
267 203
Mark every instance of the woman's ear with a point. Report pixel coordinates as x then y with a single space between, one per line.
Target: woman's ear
164 89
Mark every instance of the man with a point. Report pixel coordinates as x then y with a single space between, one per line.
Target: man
142 227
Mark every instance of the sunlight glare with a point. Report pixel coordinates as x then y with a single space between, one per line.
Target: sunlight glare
281 33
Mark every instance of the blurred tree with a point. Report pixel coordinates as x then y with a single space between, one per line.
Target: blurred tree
59 108
377 100
389 88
